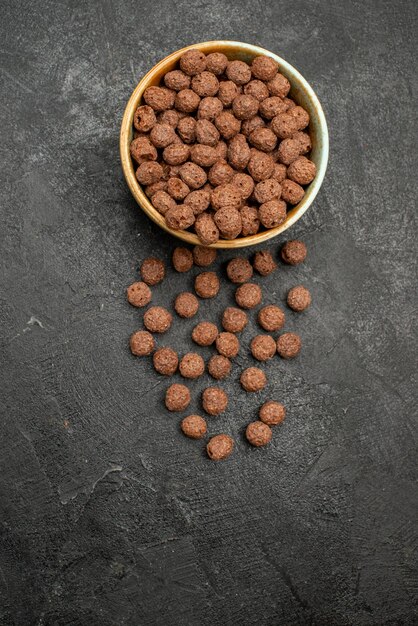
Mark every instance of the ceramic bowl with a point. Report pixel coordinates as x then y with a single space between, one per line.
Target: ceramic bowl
300 91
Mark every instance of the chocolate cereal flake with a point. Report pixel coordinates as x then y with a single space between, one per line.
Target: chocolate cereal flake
220 447
177 397
139 294
272 413
258 434
194 426
253 379
165 361
142 343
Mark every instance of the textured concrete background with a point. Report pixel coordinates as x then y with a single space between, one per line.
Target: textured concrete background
109 516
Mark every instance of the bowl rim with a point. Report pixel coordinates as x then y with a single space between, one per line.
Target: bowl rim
136 189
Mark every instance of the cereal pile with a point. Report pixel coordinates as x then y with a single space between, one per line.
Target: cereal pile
220 148
263 347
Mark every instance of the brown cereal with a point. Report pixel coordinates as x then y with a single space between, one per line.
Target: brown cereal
166 170
248 296
182 260
245 106
193 175
253 379
193 62
186 129
205 84
159 98
278 86
294 252
264 263
142 150
162 135
191 365
239 152
228 220
263 347
139 294
258 434
163 202
257 89
304 141
176 154
220 173
260 166
289 345
227 344
222 150
220 447
150 190
202 155
186 304
172 171
219 366
239 72
302 171
279 172
157 319
234 320
301 117
203 256
272 213
239 270
289 150
180 217
299 298
271 318
207 285
177 397
266 190
198 201
272 106
264 67
264 139
272 413
290 104
245 184
250 221
248 126
170 117
227 92
209 108
165 361
177 188
227 124
149 172
206 229
141 343
292 192
216 63
144 118
193 426
284 125
214 400
177 80
187 100
152 271
227 195
204 333
207 133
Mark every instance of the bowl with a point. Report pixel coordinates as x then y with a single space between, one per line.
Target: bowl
300 91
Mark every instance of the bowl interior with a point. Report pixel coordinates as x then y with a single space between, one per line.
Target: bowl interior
300 91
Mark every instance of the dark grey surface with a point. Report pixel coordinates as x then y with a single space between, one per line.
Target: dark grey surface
108 515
